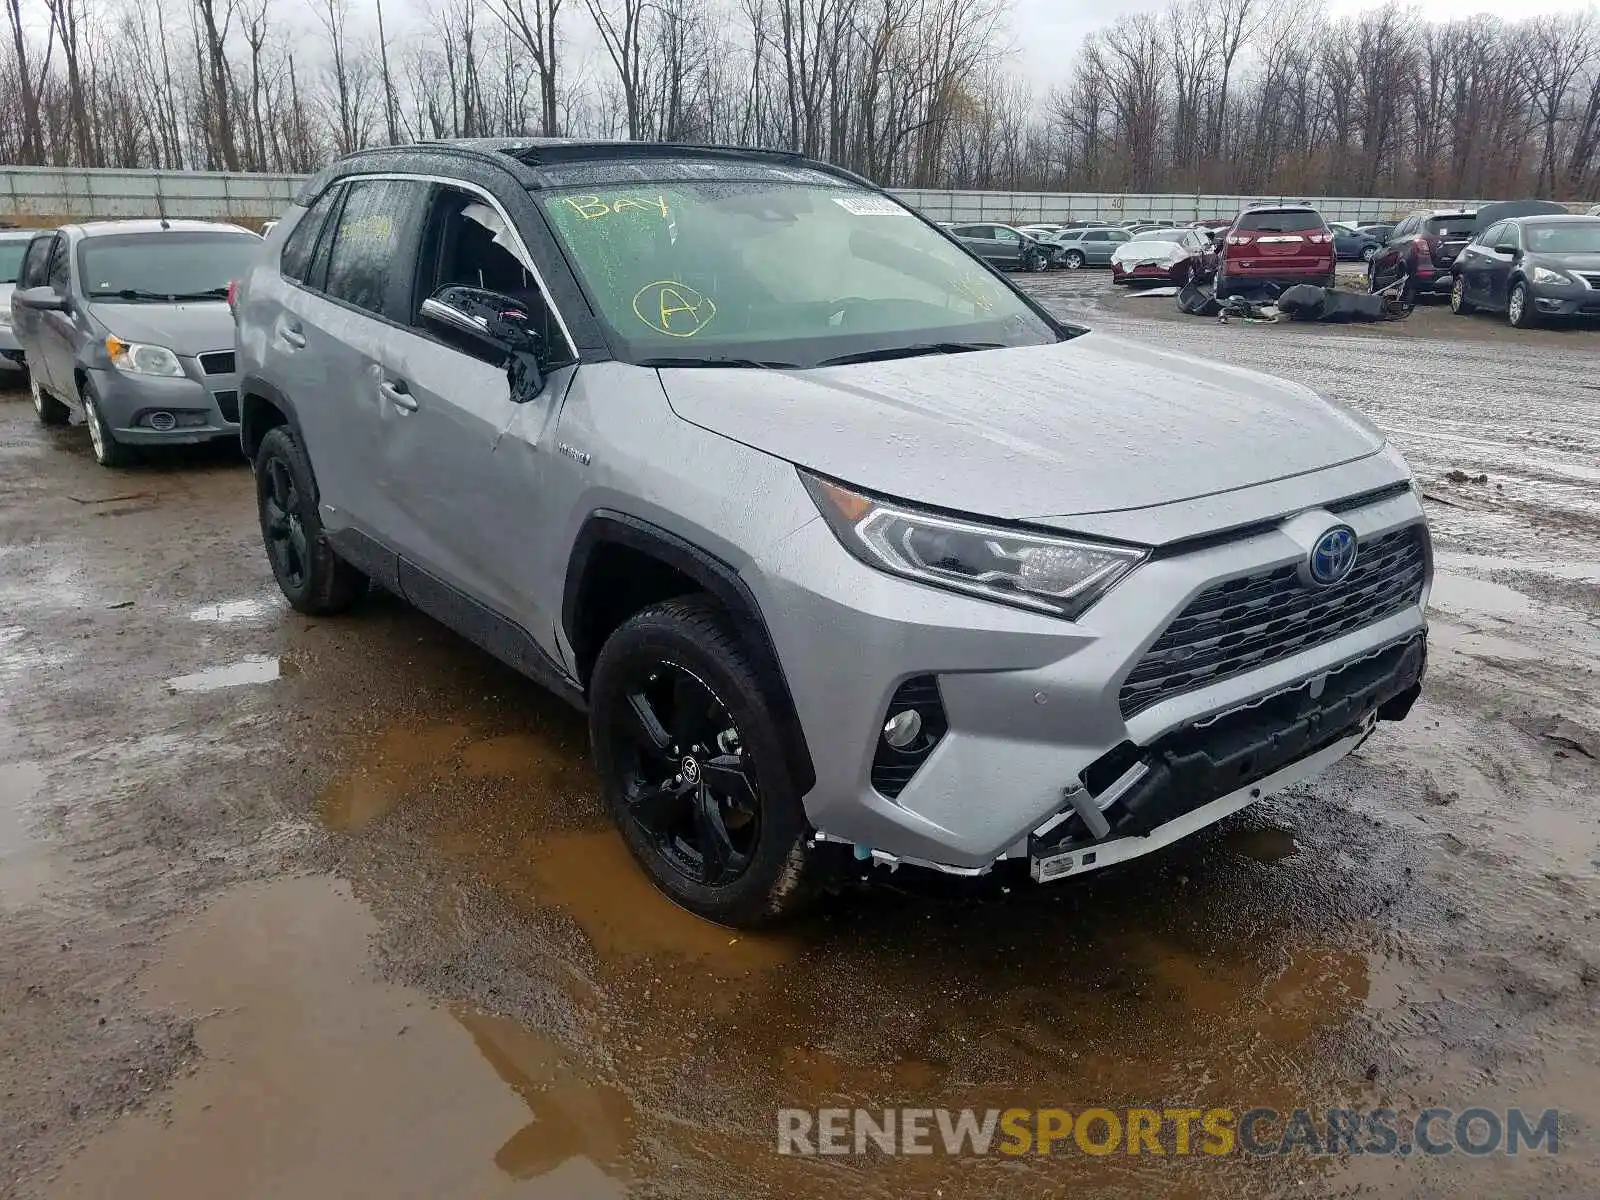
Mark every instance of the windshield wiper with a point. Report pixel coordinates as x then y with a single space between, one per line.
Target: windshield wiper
888 352
717 361
216 293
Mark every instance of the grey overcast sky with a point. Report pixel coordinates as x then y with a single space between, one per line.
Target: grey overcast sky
1048 32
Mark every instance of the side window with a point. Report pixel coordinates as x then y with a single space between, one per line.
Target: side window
1009 236
36 265
366 240
1120 235
467 241
56 274
1491 236
297 251
1097 235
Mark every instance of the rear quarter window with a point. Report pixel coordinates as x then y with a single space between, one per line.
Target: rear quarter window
295 260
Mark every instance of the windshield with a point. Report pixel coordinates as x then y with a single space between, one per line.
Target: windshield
159 266
769 272
11 252
1564 239
1278 222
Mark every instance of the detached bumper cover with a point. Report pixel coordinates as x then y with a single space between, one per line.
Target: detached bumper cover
1139 791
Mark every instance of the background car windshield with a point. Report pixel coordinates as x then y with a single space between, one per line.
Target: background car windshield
164 264
773 271
11 252
1159 235
1563 239
1277 222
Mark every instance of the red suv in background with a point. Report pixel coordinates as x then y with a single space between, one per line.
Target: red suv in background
1275 246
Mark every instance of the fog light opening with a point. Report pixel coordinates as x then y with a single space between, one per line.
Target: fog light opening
902 730
163 421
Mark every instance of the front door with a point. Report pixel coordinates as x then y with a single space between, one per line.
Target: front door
29 322
1497 272
469 462
57 334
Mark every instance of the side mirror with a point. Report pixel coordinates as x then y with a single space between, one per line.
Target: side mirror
494 322
42 299
1507 248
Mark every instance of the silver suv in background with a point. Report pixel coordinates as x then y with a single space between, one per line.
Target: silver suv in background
13 245
851 552
126 326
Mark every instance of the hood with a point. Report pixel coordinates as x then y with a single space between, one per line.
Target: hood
1096 424
1150 252
1588 261
187 329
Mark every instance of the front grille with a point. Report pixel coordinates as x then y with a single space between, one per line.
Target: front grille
218 362
1247 623
228 405
1592 279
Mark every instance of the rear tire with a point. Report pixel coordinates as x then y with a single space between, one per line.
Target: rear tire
46 407
313 578
728 839
1459 304
1074 260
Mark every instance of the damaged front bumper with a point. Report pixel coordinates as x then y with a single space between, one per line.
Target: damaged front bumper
1138 799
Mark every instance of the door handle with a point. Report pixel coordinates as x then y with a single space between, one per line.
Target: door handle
396 394
293 337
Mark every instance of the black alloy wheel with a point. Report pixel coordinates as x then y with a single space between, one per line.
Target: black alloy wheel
686 782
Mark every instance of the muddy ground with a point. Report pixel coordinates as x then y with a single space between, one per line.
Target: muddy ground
311 908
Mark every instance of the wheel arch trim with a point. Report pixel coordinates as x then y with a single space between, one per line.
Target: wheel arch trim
723 582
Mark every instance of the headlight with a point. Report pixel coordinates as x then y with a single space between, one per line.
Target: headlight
1546 275
139 359
1056 575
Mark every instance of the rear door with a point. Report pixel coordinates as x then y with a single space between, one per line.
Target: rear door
338 324
1097 245
1387 262
1475 264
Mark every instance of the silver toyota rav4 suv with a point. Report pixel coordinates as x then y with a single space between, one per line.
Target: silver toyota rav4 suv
851 552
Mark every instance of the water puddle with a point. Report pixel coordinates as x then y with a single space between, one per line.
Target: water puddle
253 668
318 1079
230 612
399 760
24 866
1464 594
1576 572
593 877
570 1118
1263 845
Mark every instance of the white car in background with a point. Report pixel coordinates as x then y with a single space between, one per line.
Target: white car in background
13 245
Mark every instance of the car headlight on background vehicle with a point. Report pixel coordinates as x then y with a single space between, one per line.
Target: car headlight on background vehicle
1546 275
140 359
1056 575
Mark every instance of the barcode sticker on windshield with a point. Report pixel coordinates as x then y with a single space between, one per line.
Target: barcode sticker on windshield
870 206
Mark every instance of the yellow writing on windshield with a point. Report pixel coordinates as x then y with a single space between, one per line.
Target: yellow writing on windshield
673 308
592 207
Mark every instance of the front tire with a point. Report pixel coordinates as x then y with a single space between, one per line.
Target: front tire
692 766
1036 261
1459 304
311 576
46 407
108 452
1368 252
1074 260
1519 310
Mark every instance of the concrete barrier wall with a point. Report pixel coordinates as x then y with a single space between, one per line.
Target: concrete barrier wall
35 192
